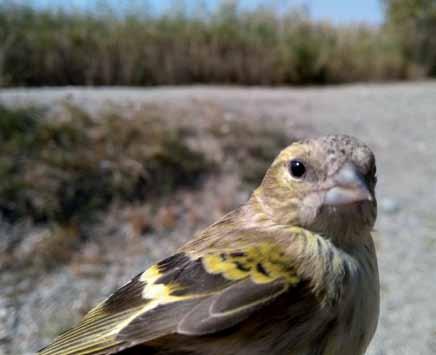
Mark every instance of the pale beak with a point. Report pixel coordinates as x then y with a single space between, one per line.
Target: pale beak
348 186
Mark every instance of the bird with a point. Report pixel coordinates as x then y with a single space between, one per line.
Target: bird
292 271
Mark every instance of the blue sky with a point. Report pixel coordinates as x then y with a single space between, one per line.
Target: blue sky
337 11
347 11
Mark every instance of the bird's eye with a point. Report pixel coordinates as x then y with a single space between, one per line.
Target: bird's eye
297 169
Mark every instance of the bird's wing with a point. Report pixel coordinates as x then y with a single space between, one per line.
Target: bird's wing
182 294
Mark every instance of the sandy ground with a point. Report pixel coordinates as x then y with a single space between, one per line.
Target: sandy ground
398 121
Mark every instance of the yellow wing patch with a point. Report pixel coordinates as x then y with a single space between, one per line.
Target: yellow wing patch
176 279
263 263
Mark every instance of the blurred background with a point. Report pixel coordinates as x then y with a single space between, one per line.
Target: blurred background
127 126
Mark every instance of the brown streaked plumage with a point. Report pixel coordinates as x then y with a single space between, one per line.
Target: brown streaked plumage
293 271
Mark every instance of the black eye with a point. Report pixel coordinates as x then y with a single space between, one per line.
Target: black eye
297 168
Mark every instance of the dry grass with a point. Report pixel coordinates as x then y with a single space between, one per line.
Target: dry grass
250 47
70 167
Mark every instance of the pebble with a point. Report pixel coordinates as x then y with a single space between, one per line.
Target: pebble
389 205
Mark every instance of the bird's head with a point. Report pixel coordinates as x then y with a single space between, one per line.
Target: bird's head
324 184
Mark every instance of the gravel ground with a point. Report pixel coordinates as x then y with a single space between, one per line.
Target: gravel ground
397 120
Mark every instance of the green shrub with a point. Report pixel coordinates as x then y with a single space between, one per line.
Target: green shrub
412 25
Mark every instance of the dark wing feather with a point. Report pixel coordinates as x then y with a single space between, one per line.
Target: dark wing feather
181 294
230 307
98 331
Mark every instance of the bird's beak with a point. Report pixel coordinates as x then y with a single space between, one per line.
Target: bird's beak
348 186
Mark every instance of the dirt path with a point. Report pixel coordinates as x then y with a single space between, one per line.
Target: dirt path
399 122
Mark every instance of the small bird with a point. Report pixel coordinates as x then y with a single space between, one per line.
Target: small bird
293 271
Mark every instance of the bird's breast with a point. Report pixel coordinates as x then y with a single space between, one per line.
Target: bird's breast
358 311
